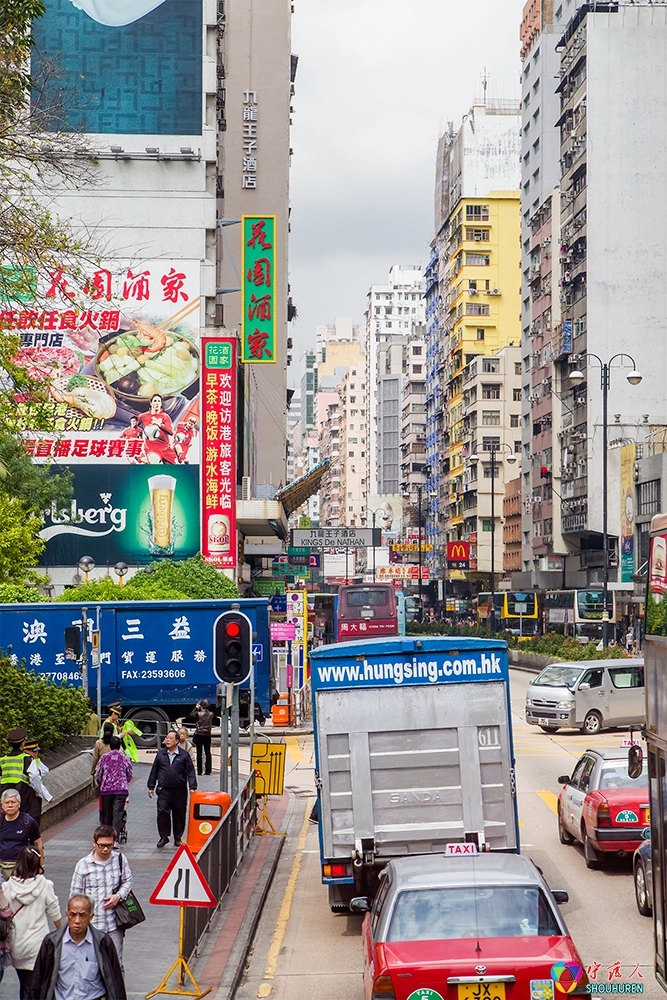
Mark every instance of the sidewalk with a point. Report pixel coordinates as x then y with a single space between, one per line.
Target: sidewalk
67 842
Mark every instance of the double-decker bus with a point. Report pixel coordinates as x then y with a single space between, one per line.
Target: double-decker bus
516 612
578 612
367 611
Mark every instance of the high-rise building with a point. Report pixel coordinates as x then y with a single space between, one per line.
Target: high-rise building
390 368
473 304
413 416
394 308
353 447
612 135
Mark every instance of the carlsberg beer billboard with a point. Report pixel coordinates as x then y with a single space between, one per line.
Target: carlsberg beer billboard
135 514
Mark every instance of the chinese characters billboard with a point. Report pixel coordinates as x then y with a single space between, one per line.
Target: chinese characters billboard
125 67
218 457
627 513
120 346
130 513
258 297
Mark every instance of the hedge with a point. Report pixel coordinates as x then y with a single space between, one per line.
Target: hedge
551 644
48 712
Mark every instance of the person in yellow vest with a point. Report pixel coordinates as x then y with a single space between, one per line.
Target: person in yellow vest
16 771
114 718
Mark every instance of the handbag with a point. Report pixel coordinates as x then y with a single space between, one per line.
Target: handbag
128 911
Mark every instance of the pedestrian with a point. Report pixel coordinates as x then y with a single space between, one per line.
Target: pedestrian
202 737
16 769
17 830
185 744
43 794
128 731
102 745
33 901
114 774
6 924
92 727
106 879
172 772
78 960
114 717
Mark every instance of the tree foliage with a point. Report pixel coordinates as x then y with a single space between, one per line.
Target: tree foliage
50 713
20 544
19 593
189 579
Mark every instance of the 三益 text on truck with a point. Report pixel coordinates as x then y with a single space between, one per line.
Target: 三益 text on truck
413 751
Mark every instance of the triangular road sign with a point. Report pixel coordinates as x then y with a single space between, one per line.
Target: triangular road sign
183 883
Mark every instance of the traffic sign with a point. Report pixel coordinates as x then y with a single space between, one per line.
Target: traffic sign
183 883
258 652
298 550
343 538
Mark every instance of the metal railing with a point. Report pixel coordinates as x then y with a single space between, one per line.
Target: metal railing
302 704
219 859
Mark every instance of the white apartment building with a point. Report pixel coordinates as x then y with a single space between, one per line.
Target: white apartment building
353 448
393 308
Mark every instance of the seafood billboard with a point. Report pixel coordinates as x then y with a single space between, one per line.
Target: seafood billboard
121 351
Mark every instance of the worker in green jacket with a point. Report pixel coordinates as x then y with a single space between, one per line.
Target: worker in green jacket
16 769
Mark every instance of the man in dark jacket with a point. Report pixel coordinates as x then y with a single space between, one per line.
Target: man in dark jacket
202 738
77 959
172 772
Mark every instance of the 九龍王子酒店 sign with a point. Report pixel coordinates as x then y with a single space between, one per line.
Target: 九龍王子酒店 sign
258 284
218 451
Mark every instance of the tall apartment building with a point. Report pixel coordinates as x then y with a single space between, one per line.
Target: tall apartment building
353 447
491 423
390 368
512 528
394 308
474 309
330 444
612 130
413 416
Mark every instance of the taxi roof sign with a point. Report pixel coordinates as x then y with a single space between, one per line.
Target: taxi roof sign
183 883
461 849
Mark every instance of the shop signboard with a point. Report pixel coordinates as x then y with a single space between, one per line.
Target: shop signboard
218 458
258 282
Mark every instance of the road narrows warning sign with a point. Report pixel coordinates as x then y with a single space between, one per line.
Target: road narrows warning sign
183 883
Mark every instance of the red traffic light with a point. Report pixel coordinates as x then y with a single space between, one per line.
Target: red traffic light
233 630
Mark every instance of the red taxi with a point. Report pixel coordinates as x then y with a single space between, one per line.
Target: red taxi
485 927
603 807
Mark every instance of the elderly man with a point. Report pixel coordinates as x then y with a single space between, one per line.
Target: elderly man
78 960
17 830
172 772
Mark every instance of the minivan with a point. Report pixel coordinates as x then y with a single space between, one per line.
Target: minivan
589 695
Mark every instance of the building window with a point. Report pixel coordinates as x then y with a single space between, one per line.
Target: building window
490 443
416 350
477 213
517 447
350 454
478 235
548 526
514 420
517 367
491 365
477 309
516 395
480 334
537 529
648 497
490 392
486 524
416 369
491 417
478 259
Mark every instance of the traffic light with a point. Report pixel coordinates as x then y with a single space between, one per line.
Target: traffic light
232 647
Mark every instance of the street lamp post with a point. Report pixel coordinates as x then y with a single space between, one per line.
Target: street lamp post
634 378
510 459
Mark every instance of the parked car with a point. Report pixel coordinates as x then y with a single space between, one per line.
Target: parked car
486 925
587 696
602 806
642 867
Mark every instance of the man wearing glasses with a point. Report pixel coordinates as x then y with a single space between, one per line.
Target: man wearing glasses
101 876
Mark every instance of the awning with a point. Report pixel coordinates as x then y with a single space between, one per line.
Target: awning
292 496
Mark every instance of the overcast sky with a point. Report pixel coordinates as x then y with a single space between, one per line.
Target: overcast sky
378 80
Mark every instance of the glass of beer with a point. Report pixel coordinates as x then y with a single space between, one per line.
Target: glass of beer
162 490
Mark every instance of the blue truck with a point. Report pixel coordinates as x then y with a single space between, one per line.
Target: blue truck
156 657
413 750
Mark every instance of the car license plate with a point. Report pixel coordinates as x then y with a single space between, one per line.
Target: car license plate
481 991
543 722
367 612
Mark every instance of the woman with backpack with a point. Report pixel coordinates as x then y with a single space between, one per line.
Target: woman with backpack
33 901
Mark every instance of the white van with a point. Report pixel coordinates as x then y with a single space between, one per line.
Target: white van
589 695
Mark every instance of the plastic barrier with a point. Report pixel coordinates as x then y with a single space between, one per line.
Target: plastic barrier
280 712
205 813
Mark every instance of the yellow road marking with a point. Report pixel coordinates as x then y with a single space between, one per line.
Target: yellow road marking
286 905
294 749
550 799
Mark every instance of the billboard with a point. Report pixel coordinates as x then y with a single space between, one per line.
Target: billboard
130 513
458 555
388 508
129 67
218 493
258 296
627 513
121 348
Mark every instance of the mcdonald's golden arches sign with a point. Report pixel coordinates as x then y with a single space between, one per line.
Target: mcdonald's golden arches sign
458 555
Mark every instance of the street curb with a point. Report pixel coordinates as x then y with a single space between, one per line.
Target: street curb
244 939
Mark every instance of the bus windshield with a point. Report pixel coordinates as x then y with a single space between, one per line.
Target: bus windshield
521 604
590 604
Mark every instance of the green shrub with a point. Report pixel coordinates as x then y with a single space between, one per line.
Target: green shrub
188 579
551 644
18 593
50 713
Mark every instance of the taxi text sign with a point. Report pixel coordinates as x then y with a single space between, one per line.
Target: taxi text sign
183 883
258 289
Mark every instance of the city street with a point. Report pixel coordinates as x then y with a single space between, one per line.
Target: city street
304 950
